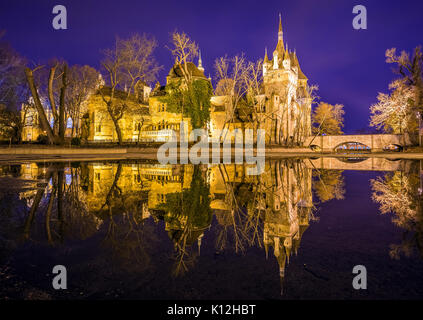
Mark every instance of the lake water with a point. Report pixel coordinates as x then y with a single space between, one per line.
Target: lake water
141 230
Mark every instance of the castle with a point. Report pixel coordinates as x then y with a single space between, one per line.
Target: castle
282 107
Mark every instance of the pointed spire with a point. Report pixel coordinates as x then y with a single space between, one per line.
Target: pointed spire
266 59
280 47
280 22
200 62
281 279
280 32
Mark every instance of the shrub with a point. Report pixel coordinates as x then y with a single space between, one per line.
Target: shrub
42 139
76 141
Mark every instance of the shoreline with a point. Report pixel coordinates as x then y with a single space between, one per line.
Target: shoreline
60 154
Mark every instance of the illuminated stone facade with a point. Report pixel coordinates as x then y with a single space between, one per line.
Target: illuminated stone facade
283 108
287 110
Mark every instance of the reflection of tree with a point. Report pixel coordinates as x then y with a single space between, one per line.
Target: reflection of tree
329 185
123 212
236 221
34 207
398 193
187 215
65 212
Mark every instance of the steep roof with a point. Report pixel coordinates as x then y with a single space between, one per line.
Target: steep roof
295 62
176 72
119 94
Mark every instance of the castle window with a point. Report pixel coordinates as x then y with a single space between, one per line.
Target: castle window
162 108
98 129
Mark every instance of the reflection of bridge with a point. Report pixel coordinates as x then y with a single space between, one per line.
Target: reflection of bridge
364 164
376 142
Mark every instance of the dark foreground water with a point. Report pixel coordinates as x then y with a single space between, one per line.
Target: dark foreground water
137 230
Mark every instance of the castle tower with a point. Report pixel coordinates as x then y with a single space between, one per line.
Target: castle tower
285 87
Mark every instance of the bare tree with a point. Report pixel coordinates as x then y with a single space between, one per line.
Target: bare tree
393 111
83 80
184 50
411 70
13 92
56 89
52 138
232 75
129 64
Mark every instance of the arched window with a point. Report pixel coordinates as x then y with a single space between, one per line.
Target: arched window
69 123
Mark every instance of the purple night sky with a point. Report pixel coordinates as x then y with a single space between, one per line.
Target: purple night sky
348 65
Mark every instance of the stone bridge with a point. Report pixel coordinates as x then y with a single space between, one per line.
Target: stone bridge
375 142
360 164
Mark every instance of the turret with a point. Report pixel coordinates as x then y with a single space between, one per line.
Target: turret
286 60
265 62
200 62
100 81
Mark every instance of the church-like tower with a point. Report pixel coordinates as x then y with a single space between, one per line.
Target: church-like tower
288 105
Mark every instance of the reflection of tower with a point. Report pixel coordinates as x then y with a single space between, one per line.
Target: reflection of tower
199 242
287 206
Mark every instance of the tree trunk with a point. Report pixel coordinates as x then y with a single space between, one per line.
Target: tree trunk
62 106
51 97
48 216
30 219
40 110
117 128
60 185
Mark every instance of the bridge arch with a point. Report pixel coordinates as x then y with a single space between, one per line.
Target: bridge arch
352 146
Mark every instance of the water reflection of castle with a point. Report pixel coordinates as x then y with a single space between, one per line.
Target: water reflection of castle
280 199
